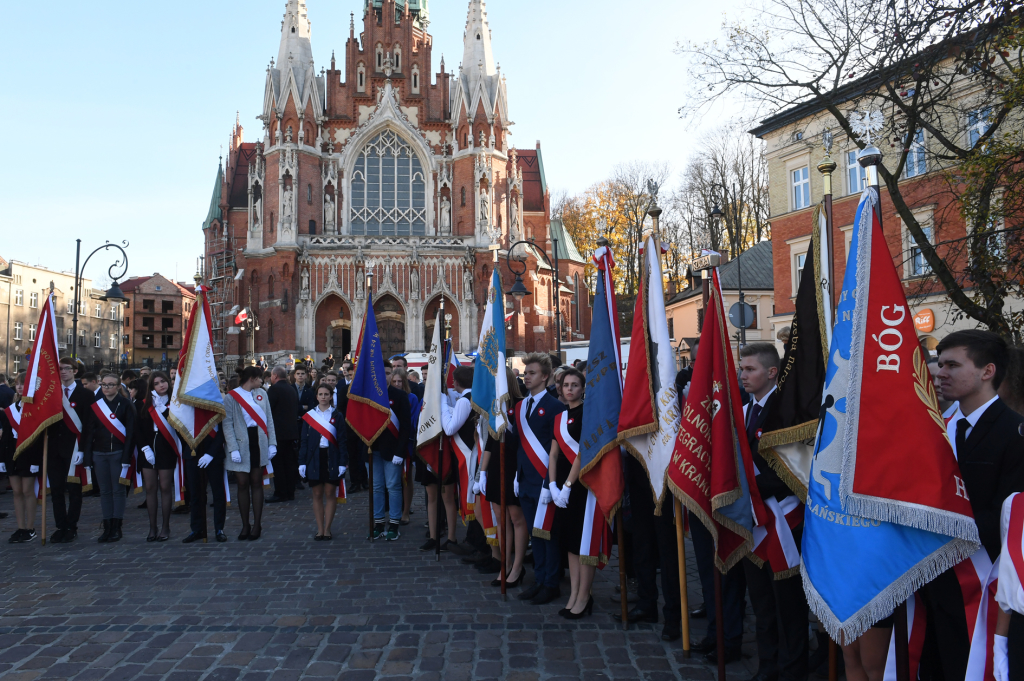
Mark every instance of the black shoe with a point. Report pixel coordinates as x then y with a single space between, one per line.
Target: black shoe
276 499
70 536
528 594
105 537
461 549
182 510
699 612
509 584
221 537
429 545
702 647
193 536
256 534
244 534
115 529
446 544
489 567
672 632
546 595
17 537
638 614
589 608
732 654
143 504
57 537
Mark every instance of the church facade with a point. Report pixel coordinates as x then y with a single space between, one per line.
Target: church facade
381 177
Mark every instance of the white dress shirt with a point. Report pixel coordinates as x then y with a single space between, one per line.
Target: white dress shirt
761 402
972 420
324 418
453 418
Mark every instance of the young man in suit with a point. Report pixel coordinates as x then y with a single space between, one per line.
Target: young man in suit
989 447
284 407
537 412
780 607
64 452
388 461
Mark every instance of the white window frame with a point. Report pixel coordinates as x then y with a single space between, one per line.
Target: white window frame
97 340
33 300
113 313
916 164
32 329
856 178
18 326
800 187
71 306
19 297
17 364
113 341
977 125
797 251
913 268
69 337
99 311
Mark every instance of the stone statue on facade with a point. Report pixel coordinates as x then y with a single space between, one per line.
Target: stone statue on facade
446 215
329 213
359 283
257 213
485 206
467 283
513 222
414 282
304 277
286 208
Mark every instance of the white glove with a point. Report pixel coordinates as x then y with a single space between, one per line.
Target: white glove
545 495
562 500
3 467
483 483
205 460
1000 659
476 487
33 469
341 470
398 461
272 451
124 470
555 490
77 458
515 485
150 456
236 457
302 472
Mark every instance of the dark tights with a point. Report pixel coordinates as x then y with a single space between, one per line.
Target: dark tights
166 479
250 483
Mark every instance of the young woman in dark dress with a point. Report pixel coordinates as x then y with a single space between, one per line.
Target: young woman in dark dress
22 471
323 458
158 457
569 496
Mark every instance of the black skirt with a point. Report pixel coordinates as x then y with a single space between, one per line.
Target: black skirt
21 466
325 470
569 520
425 477
166 459
493 491
254 448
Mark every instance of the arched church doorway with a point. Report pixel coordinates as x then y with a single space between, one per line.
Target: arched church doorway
390 325
430 315
333 328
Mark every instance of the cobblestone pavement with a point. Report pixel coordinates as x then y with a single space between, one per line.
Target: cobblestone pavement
285 608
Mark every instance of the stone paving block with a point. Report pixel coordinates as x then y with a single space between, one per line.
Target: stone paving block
364 659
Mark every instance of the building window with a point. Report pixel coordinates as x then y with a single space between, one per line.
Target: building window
463 196
388 189
166 323
81 339
415 79
380 57
71 307
32 331
19 297
149 305
977 125
99 311
113 313
576 301
270 286
398 58
17 364
309 194
17 280
17 330
167 307
166 341
671 328
801 259
113 341
854 173
270 331
33 300
916 164
918 265
801 182
312 226
96 339
361 77
69 338
147 340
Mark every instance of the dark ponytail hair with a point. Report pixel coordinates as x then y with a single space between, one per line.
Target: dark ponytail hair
249 373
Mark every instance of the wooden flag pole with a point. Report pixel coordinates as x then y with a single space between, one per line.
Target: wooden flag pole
369 448
42 483
719 625
684 597
502 539
623 595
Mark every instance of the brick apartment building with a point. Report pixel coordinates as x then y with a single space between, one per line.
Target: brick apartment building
155 317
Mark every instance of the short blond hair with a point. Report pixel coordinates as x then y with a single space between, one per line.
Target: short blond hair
541 359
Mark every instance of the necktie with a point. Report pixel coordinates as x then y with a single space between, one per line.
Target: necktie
754 412
67 392
529 405
961 436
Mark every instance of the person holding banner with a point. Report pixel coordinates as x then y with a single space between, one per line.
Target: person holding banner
323 458
65 456
22 471
400 379
1008 641
160 450
107 443
459 424
252 442
208 459
389 452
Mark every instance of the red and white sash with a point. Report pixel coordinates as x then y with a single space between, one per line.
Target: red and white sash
78 475
597 535
327 430
109 419
72 421
773 541
916 622
570 448
268 473
528 441
1010 594
14 418
463 461
544 520
246 402
978 583
171 437
393 423
341 493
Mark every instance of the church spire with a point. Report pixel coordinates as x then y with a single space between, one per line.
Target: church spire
476 51
295 36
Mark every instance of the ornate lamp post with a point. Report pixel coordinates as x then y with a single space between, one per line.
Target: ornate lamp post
519 290
113 294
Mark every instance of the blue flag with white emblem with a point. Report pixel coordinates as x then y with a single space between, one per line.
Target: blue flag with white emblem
490 382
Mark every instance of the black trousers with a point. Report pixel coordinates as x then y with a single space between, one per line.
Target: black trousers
357 462
286 468
734 587
64 515
947 644
780 609
476 538
654 546
198 479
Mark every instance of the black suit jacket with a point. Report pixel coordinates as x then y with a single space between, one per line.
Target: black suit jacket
387 444
768 481
60 435
284 408
992 466
6 396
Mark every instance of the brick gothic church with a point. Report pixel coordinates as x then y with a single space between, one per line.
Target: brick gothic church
383 166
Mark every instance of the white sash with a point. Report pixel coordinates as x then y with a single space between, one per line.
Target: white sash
109 419
246 402
14 418
529 442
569 446
326 429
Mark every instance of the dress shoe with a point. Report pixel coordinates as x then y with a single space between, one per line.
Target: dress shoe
276 499
638 614
429 545
528 594
699 612
732 654
182 510
221 537
509 584
546 595
193 537
587 609
69 536
57 537
244 534
672 632
704 646
461 549
256 533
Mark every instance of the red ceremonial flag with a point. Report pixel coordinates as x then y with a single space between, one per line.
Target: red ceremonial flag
638 413
43 399
712 472
242 316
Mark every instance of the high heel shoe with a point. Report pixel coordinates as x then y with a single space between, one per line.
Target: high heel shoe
579 615
256 534
509 584
244 534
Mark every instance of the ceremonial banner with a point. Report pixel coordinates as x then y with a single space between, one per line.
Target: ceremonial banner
428 437
649 420
787 440
369 408
197 405
601 467
712 472
490 381
856 569
917 622
43 400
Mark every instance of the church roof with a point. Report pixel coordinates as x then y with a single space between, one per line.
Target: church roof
566 247
214 212
534 184
239 197
418 8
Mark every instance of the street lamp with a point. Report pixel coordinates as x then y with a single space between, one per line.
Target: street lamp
519 290
113 294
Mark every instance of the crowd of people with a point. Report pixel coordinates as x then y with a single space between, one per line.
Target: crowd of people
293 422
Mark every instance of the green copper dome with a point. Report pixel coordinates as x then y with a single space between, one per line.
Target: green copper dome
418 8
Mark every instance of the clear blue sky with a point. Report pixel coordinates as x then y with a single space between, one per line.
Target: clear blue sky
114 113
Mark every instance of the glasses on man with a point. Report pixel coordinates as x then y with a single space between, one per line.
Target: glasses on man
108 385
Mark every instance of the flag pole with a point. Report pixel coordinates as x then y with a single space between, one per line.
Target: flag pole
369 448
684 598
502 538
826 167
46 446
439 504
623 595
